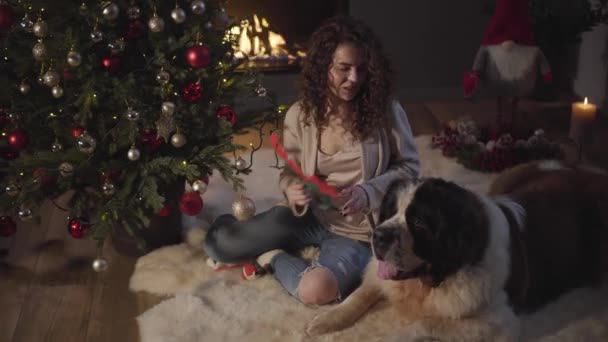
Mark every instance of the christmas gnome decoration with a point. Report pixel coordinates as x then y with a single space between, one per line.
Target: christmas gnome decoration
509 62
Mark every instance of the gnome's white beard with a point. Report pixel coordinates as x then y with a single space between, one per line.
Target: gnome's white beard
512 60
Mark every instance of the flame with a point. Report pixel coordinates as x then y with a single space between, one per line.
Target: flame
255 39
586 101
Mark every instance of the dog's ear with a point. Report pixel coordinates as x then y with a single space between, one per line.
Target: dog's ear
390 201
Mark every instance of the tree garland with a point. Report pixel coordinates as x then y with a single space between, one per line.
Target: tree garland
480 150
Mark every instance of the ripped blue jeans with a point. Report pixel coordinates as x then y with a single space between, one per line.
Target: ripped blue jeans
231 241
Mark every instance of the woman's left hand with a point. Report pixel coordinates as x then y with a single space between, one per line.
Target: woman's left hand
356 200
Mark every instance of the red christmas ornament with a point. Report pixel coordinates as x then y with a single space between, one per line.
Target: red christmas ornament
226 112
67 75
18 139
151 141
77 227
192 92
165 211
77 131
111 64
135 30
7 17
198 56
44 177
8 227
191 203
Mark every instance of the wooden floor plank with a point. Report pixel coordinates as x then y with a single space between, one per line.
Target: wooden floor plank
17 271
60 295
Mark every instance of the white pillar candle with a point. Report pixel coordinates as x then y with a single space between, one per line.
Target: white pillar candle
583 115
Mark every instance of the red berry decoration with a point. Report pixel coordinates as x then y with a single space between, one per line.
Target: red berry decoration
77 227
191 203
198 56
192 92
18 139
226 112
151 141
8 227
77 131
165 211
7 17
111 64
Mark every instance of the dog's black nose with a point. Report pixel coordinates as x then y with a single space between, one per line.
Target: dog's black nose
384 237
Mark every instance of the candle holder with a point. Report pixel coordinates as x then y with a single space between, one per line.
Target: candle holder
581 125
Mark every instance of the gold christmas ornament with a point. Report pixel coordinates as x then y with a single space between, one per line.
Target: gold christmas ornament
25 213
156 24
40 29
50 78
133 154
167 108
197 7
66 169
12 189
74 58
24 88
57 91
39 51
178 140
96 36
178 15
243 208
99 264
108 189
56 147
200 186
110 11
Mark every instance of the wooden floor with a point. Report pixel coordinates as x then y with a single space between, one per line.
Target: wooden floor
48 291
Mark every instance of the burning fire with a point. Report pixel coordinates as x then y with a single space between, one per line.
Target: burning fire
256 41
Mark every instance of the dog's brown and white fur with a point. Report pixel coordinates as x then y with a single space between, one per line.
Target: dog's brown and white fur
444 257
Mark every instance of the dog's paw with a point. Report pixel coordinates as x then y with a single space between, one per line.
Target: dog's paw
322 323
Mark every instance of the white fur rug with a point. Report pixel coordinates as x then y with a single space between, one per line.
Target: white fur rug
218 306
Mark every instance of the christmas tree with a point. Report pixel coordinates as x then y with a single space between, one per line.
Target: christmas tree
118 102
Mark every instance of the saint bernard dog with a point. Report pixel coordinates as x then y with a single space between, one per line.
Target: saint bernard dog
460 266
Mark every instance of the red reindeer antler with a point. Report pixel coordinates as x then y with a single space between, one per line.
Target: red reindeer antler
323 187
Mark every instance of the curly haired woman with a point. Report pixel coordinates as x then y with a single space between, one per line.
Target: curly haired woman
348 130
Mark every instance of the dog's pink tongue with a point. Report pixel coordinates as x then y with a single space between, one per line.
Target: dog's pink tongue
386 270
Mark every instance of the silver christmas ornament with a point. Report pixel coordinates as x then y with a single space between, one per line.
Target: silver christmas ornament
39 51
200 186
24 88
133 154
178 140
243 208
40 29
178 15
133 12
57 91
26 23
197 7
25 213
110 11
12 189
132 115
108 188
86 143
99 265
66 169
261 91
117 46
208 25
74 58
241 164
56 147
163 76
50 78
156 24
168 108
96 36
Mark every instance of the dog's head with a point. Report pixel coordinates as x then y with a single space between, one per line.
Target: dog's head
430 228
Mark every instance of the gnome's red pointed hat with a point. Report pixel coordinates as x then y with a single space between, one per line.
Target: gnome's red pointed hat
511 21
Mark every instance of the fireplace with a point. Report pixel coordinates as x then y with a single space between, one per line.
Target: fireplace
272 34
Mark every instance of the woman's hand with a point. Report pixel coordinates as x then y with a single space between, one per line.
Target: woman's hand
298 194
356 200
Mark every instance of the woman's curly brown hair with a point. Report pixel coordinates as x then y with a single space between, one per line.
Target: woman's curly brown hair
373 98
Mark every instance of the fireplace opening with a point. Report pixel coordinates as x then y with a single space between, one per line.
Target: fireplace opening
272 35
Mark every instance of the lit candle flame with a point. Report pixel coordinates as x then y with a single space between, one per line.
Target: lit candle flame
586 100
